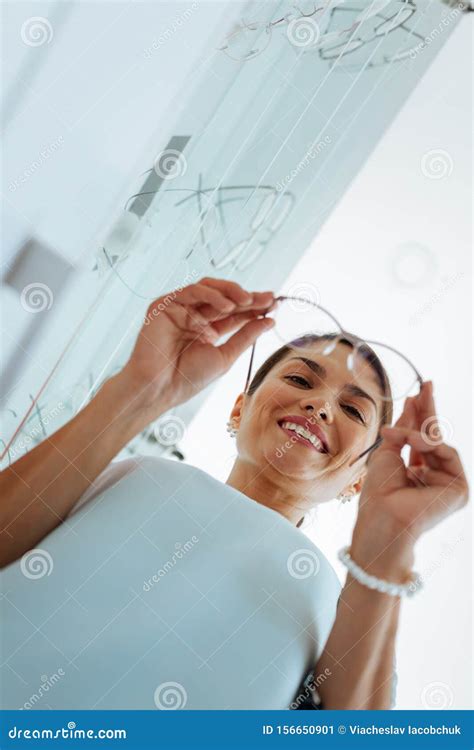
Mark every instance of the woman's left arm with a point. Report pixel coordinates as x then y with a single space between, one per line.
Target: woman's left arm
398 503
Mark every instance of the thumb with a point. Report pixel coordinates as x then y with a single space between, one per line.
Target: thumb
243 338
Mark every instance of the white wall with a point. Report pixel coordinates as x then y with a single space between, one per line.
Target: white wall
370 243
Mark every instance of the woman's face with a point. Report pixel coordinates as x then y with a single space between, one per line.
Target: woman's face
346 425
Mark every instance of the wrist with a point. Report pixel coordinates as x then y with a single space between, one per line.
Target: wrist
382 549
130 402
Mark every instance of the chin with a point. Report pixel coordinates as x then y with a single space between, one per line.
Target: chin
293 464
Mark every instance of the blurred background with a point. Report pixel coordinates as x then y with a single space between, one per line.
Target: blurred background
323 150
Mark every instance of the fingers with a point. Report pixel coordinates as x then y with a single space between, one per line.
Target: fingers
191 295
230 322
236 293
242 339
439 456
218 297
259 306
424 476
425 402
408 416
426 420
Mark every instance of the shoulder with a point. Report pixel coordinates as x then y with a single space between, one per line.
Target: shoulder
116 471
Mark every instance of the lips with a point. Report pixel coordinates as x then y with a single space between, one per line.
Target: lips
314 429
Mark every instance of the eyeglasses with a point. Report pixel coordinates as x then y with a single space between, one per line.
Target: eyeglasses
299 318
381 24
252 38
246 243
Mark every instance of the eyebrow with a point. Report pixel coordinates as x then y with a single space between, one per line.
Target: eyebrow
322 373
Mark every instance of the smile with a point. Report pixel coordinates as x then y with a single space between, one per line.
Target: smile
303 435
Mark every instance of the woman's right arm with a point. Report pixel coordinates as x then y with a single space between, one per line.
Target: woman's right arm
39 489
173 359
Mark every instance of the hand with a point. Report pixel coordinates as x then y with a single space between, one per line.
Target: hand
175 355
414 497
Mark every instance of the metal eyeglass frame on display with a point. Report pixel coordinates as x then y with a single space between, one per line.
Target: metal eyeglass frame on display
342 333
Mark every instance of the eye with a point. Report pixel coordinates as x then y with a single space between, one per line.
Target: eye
298 379
355 412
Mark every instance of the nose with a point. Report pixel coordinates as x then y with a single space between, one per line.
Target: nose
319 407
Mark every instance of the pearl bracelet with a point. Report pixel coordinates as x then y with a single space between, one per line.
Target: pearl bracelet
409 588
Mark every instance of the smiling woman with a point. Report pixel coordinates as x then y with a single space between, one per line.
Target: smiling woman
251 596
315 384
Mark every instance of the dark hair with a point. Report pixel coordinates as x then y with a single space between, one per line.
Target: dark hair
310 338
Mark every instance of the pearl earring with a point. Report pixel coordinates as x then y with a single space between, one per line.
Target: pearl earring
345 498
231 428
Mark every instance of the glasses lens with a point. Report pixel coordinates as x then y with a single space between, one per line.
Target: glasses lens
247 42
370 366
340 50
299 315
394 21
402 377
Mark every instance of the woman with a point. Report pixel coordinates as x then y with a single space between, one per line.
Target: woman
163 587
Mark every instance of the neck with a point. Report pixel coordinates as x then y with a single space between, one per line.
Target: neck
251 481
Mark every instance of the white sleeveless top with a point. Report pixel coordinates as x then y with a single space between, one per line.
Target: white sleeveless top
165 588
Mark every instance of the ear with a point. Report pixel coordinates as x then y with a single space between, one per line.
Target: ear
236 412
355 487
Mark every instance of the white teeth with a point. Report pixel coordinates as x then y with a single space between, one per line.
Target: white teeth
304 433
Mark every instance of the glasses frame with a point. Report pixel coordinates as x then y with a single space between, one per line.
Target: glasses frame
356 340
337 51
260 26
